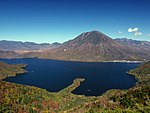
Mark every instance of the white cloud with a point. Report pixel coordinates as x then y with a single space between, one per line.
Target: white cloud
137 33
120 32
133 29
148 34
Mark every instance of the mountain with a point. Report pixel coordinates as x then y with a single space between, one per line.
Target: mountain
130 42
94 46
56 44
8 54
91 46
141 48
19 46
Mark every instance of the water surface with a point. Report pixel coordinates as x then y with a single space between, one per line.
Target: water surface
55 75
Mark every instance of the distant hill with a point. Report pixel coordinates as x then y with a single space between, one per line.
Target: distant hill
141 48
96 46
135 43
17 49
56 44
8 54
19 46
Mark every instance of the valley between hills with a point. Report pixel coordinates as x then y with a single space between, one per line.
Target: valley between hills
16 98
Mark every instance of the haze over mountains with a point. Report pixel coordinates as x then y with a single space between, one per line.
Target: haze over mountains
88 46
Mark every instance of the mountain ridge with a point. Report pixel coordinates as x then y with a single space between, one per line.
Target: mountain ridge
94 46
7 45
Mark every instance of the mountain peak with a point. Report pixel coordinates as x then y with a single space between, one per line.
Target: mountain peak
92 46
93 37
94 32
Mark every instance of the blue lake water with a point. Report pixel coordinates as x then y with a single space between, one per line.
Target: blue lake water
55 75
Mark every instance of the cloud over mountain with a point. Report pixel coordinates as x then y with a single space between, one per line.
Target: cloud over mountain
137 33
133 29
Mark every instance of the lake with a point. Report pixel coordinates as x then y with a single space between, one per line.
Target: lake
54 75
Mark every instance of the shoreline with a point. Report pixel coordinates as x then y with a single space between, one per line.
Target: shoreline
110 61
124 61
18 69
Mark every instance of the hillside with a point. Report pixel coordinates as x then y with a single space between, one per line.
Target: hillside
95 46
8 54
142 72
131 42
7 70
141 48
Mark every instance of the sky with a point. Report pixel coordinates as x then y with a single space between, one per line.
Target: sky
48 21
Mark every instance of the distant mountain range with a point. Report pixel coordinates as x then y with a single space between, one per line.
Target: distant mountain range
88 46
140 48
26 46
145 45
8 54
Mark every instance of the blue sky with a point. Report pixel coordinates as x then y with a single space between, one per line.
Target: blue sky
61 20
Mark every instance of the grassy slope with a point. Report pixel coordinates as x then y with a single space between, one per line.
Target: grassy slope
7 70
142 73
19 98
